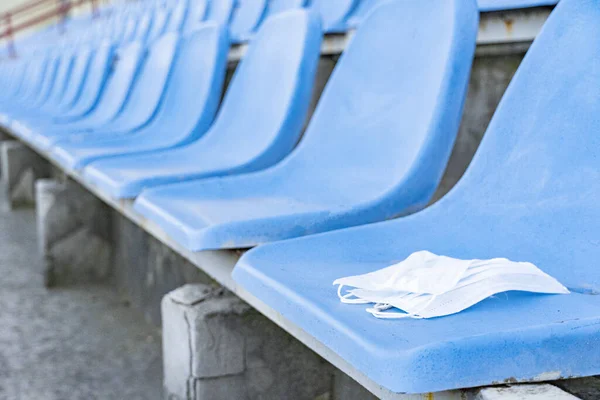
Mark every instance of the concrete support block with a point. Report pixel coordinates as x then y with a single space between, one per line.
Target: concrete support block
73 233
21 167
216 347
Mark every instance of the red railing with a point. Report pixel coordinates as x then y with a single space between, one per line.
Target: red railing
36 12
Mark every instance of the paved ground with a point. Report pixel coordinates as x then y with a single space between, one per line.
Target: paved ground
70 343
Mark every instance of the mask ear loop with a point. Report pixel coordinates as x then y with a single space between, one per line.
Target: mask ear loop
379 311
346 298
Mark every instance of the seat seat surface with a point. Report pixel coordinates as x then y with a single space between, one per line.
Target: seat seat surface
530 194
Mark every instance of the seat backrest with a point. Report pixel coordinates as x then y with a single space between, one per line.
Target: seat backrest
178 16
266 102
48 80
193 91
277 6
334 13
387 120
20 70
220 11
149 85
536 173
361 10
62 77
118 86
129 29
159 25
247 16
197 13
36 75
143 27
100 68
81 64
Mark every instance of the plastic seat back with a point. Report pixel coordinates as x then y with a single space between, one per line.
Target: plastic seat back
19 86
81 64
141 103
63 74
178 16
334 13
247 16
119 83
536 173
47 81
198 11
220 11
101 65
361 10
277 6
159 25
193 92
270 90
35 78
386 122
129 30
143 27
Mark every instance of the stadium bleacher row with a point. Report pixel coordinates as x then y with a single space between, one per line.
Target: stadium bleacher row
134 104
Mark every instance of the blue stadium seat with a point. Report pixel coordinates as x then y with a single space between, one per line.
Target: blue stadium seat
48 80
361 10
376 146
334 13
28 89
127 35
200 11
74 83
246 19
220 11
34 79
111 101
144 24
277 6
499 5
134 102
178 16
61 80
530 194
159 25
94 80
187 109
259 122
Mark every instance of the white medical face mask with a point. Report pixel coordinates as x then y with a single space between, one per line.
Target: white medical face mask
421 272
481 279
